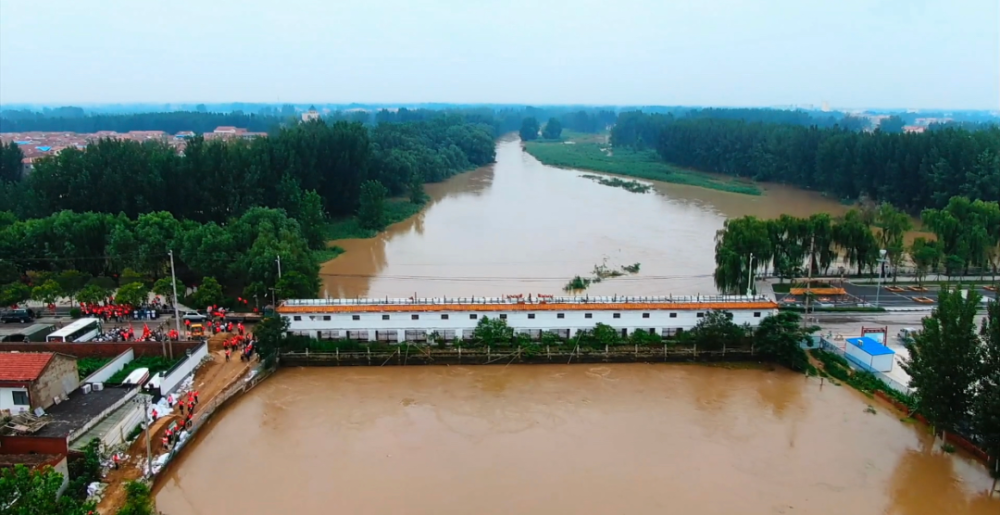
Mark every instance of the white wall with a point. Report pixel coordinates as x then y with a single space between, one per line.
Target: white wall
461 322
111 368
7 400
884 362
186 367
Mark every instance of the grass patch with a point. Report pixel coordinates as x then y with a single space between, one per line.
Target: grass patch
154 364
331 252
87 366
643 165
396 210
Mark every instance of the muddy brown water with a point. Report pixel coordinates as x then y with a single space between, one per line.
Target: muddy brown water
519 226
578 439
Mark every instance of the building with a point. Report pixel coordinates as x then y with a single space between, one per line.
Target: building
30 380
870 354
414 320
39 462
310 115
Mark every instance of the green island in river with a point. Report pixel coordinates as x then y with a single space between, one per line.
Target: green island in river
589 152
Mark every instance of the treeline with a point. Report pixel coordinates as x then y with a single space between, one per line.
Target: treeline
968 235
62 255
502 120
227 209
912 171
218 180
170 122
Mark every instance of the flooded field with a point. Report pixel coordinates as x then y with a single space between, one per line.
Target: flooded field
551 440
519 226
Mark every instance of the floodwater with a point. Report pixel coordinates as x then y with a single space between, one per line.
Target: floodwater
519 227
565 439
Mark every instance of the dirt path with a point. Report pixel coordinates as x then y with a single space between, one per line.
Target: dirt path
210 380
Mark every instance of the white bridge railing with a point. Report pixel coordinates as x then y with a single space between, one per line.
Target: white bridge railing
528 299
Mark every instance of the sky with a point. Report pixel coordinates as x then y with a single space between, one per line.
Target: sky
848 53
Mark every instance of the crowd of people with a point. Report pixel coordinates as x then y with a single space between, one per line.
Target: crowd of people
244 345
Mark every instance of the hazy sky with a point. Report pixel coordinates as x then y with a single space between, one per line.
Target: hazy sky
850 53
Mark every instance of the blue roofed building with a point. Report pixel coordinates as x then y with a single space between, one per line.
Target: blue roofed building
870 354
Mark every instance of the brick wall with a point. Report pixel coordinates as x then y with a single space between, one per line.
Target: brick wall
33 444
100 349
59 378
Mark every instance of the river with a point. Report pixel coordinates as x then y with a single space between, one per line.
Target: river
565 439
519 226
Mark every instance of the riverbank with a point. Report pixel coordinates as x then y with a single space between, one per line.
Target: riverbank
588 155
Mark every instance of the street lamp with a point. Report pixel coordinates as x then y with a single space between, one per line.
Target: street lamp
881 268
750 276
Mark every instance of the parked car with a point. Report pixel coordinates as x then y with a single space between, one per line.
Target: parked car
22 316
193 316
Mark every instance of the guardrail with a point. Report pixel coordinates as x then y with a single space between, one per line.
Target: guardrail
525 299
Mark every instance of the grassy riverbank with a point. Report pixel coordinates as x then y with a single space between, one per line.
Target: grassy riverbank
395 211
589 155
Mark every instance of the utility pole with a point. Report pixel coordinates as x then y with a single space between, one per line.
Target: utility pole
144 401
279 266
177 315
881 266
750 276
812 247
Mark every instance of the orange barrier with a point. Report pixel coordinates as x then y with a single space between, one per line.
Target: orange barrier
923 300
818 291
596 306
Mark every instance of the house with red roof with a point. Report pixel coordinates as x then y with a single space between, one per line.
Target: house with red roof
30 380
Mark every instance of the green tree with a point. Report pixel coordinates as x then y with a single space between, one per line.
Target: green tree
270 334
294 285
416 187
986 407
10 162
133 294
164 287
553 129
892 224
72 281
529 129
715 330
130 276
493 331
138 499
93 293
27 492
14 293
209 293
734 244
854 236
945 359
779 337
47 293
371 206
925 256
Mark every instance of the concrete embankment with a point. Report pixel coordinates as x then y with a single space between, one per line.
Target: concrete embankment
536 354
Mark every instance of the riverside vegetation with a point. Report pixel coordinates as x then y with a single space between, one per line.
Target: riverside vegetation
968 235
954 369
615 182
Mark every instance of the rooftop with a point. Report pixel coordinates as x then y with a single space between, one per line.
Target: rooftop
70 416
530 303
23 366
870 346
30 460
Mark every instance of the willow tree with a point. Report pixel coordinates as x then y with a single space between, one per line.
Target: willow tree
892 224
853 235
735 243
967 230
